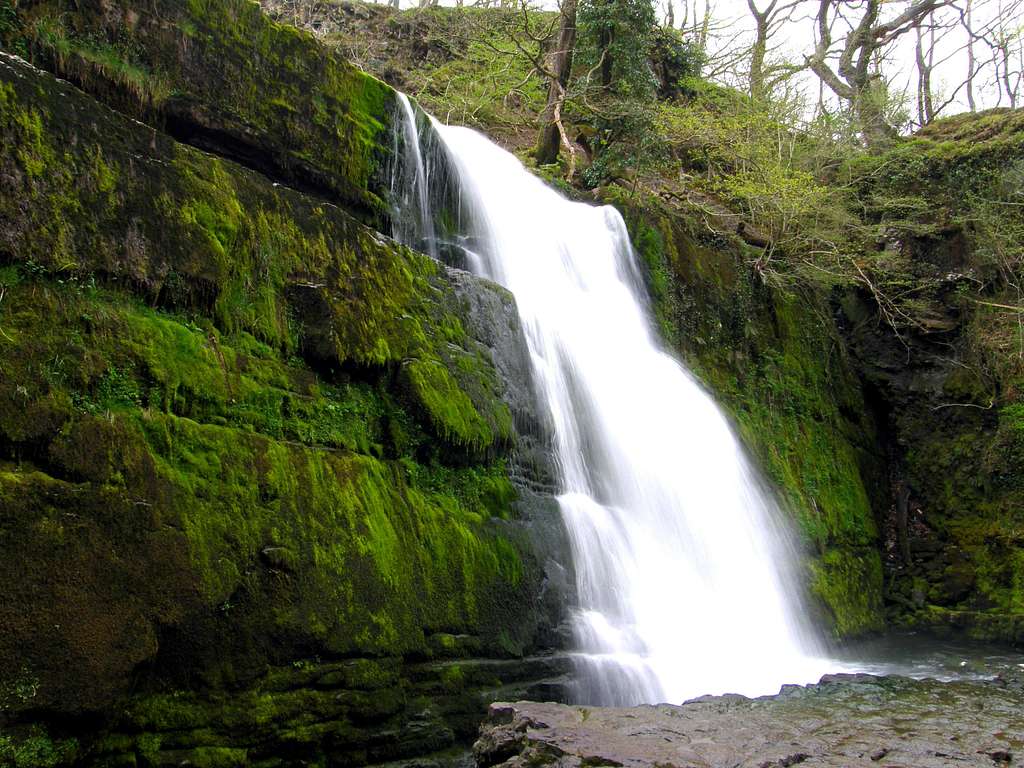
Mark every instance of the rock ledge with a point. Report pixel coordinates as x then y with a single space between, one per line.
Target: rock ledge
845 720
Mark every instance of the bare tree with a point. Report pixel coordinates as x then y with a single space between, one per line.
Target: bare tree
695 24
972 61
924 54
852 72
764 75
1009 53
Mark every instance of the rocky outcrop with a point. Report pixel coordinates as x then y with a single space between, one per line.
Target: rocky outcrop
842 721
256 489
938 348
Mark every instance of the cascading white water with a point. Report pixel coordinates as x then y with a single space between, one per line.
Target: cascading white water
411 217
680 559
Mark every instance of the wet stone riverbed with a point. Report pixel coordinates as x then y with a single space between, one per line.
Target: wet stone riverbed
845 720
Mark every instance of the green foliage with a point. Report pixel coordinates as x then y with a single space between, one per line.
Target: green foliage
677 61
615 87
742 152
34 748
992 214
11 34
955 187
615 41
485 80
624 141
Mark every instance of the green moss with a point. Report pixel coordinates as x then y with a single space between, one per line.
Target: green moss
217 757
34 154
264 469
958 438
649 242
272 264
89 58
453 678
314 117
206 435
35 748
954 174
849 584
303 713
985 627
449 409
817 466
965 473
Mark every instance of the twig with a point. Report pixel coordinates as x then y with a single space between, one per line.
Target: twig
988 407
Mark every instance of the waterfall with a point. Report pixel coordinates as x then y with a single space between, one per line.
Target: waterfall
681 555
411 218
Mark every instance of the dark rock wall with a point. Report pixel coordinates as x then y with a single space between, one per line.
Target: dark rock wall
941 362
260 494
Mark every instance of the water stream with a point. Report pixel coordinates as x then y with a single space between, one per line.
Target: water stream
681 554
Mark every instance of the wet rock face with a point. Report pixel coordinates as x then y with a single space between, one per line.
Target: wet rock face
191 504
845 720
492 319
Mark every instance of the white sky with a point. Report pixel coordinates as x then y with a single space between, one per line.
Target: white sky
796 38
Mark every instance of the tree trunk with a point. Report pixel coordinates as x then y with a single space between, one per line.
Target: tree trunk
1004 49
757 54
971 63
869 102
550 137
925 64
929 104
605 44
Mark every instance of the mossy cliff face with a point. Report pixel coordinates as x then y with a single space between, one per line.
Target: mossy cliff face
220 75
945 369
239 432
775 360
